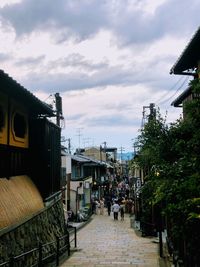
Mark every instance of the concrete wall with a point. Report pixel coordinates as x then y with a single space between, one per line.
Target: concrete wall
44 227
95 153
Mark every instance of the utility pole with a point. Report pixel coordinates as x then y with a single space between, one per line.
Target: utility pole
152 113
121 150
69 174
136 146
104 145
69 145
58 108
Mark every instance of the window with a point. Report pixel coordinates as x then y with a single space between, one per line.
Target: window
19 125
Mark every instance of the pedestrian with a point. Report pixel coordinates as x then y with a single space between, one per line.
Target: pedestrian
109 207
115 209
97 205
122 210
70 214
130 206
93 206
101 206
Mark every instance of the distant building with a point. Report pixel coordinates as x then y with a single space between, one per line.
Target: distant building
95 153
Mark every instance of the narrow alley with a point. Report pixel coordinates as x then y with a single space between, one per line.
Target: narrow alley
105 242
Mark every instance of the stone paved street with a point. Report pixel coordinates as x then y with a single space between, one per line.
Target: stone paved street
105 242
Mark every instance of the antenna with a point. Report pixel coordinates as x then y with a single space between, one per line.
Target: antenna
86 141
79 136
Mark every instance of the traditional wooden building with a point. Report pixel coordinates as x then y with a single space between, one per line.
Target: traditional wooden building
30 163
188 64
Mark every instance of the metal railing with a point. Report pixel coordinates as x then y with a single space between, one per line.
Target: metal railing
44 253
147 228
74 238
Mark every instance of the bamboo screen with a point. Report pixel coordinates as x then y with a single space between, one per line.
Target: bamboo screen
19 198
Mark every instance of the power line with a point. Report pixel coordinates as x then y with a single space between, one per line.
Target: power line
166 100
169 91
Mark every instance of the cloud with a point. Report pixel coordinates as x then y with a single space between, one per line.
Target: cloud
77 80
80 20
136 26
4 57
75 117
102 75
77 60
116 120
107 58
30 61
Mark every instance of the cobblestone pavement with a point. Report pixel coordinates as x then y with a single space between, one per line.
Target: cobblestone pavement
105 242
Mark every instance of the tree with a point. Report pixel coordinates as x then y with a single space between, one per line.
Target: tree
170 158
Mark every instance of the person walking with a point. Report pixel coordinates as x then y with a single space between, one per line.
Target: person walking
115 209
97 206
93 204
102 206
122 210
108 204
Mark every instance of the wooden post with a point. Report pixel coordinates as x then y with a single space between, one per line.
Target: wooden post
68 190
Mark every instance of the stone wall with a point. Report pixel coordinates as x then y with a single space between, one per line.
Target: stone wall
41 228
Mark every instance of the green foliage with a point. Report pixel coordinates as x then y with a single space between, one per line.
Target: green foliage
170 158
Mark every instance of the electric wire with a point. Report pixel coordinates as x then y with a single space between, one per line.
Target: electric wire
169 91
166 100
166 94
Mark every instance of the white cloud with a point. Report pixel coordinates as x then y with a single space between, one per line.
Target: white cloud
107 59
4 3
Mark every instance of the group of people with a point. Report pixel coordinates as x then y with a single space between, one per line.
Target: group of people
115 206
98 206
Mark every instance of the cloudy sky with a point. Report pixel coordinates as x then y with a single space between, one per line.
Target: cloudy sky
106 58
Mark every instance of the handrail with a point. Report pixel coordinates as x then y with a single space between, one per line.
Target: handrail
26 253
40 259
4 264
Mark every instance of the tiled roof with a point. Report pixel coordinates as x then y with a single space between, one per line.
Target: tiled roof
83 158
179 100
189 57
11 87
79 158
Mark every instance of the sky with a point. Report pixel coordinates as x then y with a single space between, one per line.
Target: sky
108 60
